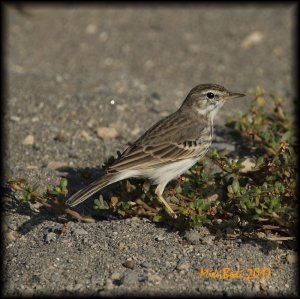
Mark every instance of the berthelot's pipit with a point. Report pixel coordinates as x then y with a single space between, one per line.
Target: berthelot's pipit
168 148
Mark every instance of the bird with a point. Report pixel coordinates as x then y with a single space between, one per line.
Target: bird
170 147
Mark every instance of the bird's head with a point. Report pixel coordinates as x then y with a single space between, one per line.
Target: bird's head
207 99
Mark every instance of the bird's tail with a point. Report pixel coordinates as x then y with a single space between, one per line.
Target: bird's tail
88 191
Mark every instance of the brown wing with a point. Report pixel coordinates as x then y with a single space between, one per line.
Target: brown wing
173 138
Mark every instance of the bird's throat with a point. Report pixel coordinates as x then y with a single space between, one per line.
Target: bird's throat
209 112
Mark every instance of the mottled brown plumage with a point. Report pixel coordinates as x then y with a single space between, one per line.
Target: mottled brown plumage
168 148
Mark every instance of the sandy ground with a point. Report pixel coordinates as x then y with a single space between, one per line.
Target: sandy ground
74 69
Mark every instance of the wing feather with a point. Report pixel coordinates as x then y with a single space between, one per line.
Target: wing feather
174 138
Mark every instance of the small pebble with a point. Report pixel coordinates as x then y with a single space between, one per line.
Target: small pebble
29 140
159 238
85 135
115 276
91 29
129 264
292 258
56 165
135 131
50 237
15 118
10 236
107 133
252 39
28 292
35 119
207 240
61 137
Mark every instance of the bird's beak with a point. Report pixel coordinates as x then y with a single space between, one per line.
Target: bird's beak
234 95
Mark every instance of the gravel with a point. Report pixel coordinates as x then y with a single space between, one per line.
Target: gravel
72 70
80 231
79 266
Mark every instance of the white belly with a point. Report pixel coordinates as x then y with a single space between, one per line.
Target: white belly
160 174
168 172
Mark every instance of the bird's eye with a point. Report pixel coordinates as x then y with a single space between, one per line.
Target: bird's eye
210 95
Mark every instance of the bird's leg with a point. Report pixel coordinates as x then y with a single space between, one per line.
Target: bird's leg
159 191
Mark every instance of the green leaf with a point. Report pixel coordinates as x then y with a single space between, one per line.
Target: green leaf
100 203
157 218
235 186
258 211
57 189
260 161
63 183
230 189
